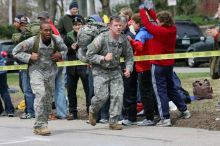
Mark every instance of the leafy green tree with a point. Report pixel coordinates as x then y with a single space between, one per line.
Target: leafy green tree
186 7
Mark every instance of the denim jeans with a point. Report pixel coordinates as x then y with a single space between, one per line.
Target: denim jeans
27 91
60 96
9 108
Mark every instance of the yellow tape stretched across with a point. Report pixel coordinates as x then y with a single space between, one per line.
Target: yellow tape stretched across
136 58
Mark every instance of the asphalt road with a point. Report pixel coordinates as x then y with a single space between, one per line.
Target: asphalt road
14 131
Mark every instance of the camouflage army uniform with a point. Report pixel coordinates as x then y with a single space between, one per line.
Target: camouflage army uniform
42 75
107 76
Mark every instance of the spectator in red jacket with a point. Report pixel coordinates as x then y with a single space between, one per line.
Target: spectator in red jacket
163 42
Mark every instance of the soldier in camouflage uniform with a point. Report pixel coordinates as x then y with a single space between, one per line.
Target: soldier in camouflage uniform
104 54
42 71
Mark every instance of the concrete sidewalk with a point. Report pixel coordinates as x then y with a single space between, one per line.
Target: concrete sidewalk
14 131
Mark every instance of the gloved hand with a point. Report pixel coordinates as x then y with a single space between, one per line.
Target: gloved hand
148 4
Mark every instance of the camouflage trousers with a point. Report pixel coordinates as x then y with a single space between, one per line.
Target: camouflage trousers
43 88
108 86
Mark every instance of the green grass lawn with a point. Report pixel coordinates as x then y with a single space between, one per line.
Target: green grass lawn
186 78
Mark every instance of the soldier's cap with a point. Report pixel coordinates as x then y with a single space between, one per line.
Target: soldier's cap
78 18
18 18
43 14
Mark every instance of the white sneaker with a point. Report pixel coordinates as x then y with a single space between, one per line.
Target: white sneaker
128 123
146 122
103 121
185 115
164 123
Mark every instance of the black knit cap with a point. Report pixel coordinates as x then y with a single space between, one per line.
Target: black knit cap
73 4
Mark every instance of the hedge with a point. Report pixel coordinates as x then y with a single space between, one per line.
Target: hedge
6 31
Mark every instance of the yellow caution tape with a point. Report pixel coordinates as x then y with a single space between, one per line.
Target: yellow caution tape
136 58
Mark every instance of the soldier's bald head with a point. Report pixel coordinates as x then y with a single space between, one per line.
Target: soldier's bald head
43 24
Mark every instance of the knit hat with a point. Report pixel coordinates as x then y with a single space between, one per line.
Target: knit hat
43 14
78 18
73 4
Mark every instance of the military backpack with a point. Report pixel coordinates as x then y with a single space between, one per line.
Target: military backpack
86 35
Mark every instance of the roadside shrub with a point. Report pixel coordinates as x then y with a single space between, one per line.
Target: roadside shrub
6 31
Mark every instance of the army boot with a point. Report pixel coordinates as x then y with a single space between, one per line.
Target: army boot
92 118
115 126
44 131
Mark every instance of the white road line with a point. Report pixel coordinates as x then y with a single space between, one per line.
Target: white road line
25 139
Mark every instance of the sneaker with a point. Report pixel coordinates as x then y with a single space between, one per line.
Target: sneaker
11 115
141 113
26 116
146 122
115 126
92 119
44 131
185 115
164 123
103 121
127 123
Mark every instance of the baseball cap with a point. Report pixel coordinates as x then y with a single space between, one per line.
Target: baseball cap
24 19
18 17
43 14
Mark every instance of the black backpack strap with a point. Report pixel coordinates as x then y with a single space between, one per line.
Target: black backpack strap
36 44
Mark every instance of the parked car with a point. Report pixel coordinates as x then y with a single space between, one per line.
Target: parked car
6 47
190 38
188 33
206 45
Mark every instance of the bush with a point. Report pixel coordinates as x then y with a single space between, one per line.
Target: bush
6 31
199 20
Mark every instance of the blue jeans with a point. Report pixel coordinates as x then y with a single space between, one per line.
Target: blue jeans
9 108
60 96
27 91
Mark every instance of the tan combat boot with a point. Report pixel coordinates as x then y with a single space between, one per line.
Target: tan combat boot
115 126
44 131
92 119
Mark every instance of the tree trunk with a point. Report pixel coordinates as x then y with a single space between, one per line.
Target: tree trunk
106 7
91 7
41 5
83 7
61 7
52 9
13 8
